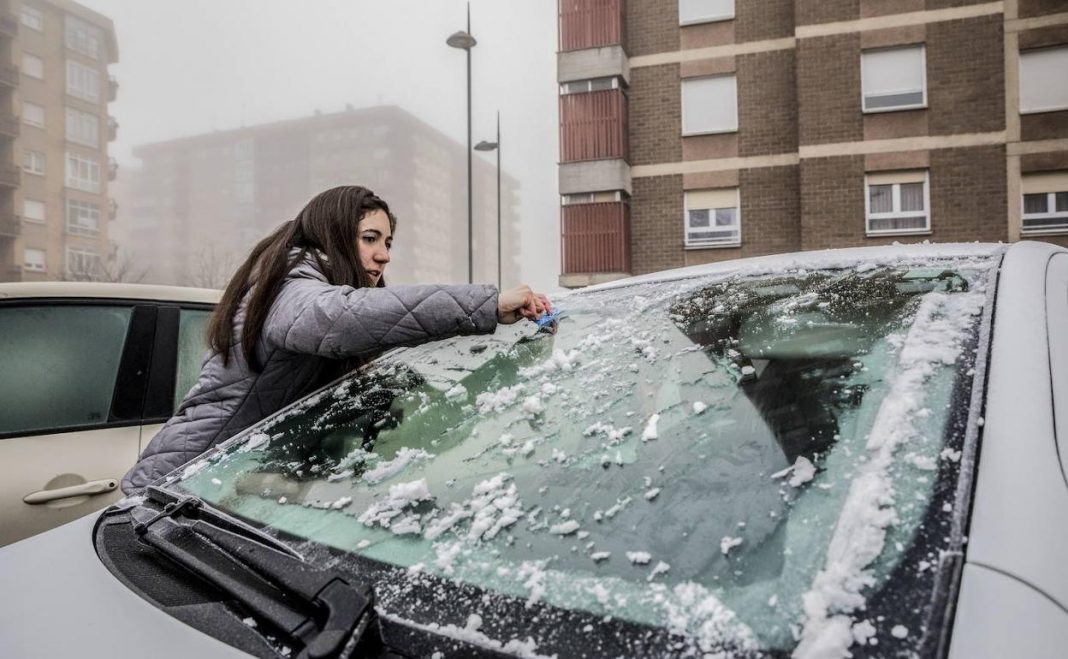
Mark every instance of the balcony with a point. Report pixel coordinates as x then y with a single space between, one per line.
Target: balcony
9 25
9 75
595 240
113 208
113 88
593 126
9 124
113 168
113 129
590 24
10 225
10 176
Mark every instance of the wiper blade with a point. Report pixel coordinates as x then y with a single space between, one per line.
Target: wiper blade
319 609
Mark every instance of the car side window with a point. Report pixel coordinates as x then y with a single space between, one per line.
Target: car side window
60 364
192 348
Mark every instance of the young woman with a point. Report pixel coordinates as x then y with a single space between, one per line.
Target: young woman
308 305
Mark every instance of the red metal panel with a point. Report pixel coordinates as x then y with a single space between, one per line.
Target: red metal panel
590 24
593 126
595 237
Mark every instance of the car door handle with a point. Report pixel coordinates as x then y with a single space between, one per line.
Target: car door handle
90 488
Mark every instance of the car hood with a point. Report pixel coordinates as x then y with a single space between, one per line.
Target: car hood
68 604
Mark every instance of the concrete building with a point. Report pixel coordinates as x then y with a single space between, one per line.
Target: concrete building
701 130
200 203
55 129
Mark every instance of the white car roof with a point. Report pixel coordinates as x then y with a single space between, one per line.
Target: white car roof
98 290
825 258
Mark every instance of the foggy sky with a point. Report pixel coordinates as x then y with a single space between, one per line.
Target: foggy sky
193 66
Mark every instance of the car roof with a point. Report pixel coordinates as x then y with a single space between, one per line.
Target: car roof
825 258
100 290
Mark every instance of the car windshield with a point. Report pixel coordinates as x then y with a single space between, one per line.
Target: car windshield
740 460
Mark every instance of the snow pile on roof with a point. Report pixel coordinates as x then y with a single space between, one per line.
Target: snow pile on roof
934 339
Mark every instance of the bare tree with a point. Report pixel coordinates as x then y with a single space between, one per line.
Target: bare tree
120 267
211 268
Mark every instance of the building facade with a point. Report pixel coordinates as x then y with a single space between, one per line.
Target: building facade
200 203
694 131
55 130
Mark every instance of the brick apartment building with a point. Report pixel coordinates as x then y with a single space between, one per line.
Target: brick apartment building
694 131
199 203
54 209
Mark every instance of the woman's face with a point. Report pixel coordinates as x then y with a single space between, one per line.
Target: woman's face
375 240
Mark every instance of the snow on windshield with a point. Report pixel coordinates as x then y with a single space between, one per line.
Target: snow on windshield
739 461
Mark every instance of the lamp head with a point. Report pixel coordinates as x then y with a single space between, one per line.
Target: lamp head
461 40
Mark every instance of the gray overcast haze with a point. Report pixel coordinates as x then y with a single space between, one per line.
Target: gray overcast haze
193 66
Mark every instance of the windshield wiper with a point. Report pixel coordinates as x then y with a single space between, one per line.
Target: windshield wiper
319 609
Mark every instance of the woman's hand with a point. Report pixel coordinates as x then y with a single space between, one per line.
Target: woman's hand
520 302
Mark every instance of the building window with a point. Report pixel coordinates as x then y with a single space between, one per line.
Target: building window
83 82
591 198
82 263
897 202
593 85
33 66
705 11
83 173
33 162
713 218
83 38
33 115
894 79
83 218
33 259
709 105
33 18
1045 203
1043 84
83 127
33 210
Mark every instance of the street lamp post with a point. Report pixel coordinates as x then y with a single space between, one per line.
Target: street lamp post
464 41
496 146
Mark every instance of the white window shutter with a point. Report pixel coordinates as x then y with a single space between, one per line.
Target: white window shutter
1044 80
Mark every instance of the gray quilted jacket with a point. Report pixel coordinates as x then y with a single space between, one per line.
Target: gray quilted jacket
311 326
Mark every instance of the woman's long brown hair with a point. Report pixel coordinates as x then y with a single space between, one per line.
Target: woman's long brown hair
326 229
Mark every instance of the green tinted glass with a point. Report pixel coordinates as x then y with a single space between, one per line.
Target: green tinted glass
192 348
676 455
59 365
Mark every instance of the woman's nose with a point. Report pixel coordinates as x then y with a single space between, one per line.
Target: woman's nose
382 255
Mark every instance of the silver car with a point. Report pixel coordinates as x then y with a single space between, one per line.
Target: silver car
826 454
90 371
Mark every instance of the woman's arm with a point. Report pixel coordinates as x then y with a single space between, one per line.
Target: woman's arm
314 317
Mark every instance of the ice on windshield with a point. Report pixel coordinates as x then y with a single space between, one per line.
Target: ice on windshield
740 461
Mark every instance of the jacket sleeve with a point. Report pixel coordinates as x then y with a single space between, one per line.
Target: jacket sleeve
313 317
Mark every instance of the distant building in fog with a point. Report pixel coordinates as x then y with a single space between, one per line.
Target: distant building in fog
199 203
54 166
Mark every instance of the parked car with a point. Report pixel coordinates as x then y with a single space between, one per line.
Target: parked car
89 372
826 454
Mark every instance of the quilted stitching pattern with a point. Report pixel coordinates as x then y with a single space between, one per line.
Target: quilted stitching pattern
310 324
